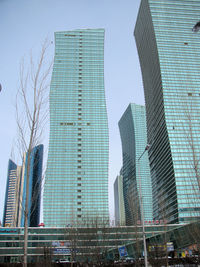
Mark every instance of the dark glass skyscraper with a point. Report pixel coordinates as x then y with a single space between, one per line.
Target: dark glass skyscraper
35 183
135 170
169 53
76 186
16 190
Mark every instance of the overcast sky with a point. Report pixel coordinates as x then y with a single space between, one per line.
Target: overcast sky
24 26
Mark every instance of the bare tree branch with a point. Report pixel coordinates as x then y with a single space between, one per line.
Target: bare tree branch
31 117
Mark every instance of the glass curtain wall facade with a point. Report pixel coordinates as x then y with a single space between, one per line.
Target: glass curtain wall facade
11 205
15 195
136 173
76 186
35 183
90 243
169 53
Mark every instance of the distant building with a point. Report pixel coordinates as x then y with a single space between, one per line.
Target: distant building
119 201
136 174
16 190
11 204
169 53
76 186
35 180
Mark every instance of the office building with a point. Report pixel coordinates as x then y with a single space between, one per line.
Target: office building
119 201
35 183
91 243
136 170
169 54
76 186
11 204
15 195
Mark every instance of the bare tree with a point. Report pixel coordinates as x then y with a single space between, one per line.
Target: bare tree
72 237
134 206
190 130
31 115
191 133
163 214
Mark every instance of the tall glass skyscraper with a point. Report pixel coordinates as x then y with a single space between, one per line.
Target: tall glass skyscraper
35 184
76 186
15 196
119 201
169 53
11 204
135 170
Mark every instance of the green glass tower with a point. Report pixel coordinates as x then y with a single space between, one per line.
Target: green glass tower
169 53
135 170
76 186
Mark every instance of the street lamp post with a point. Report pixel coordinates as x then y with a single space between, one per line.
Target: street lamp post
141 208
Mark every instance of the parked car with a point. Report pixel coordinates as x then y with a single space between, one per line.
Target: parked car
63 261
56 260
130 260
